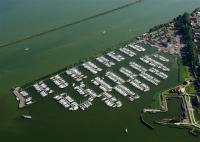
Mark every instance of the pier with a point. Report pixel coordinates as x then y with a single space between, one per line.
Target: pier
151 110
19 97
96 78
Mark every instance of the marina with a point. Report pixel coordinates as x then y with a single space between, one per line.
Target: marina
124 91
105 61
127 52
75 74
91 67
110 100
115 56
138 67
136 47
139 85
67 102
86 92
42 89
158 73
154 63
85 105
149 78
128 73
114 78
59 81
162 58
102 84
100 77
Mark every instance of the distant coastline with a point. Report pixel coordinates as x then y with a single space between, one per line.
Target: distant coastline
69 24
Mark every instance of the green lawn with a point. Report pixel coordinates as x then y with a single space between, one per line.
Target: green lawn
191 89
184 70
186 73
156 101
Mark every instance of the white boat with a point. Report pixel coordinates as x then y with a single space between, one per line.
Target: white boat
26 49
104 32
27 116
126 130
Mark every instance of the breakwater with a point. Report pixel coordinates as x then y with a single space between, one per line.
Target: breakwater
145 123
69 24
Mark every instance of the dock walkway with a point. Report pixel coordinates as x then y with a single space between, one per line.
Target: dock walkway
19 97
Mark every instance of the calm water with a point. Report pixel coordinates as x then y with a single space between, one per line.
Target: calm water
56 50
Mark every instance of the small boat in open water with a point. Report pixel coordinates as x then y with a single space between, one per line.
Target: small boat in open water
104 32
27 116
126 130
26 49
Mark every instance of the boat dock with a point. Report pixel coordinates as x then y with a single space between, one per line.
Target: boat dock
105 61
19 97
42 89
151 110
136 47
139 85
146 59
160 57
91 67
127 52
67 101
124 91
117 72
111 101
158 73
75 74
102 84
112 76
128 73
137 67
149 78
115 56
59 81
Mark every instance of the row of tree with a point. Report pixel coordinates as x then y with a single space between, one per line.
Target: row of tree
182 22
157 27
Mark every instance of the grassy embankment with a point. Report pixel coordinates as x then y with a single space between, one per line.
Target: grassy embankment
181 73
